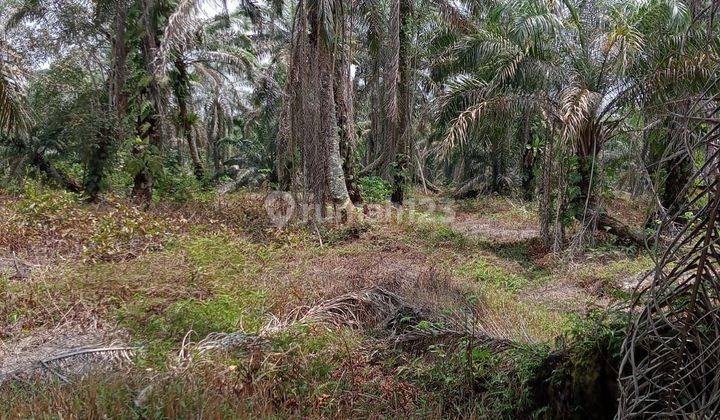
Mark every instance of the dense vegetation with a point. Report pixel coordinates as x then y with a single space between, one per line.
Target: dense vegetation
489 183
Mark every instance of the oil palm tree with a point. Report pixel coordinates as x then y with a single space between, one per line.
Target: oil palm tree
211 60
570 63
14 115
310 123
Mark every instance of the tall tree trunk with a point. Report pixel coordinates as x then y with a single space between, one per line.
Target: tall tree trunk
329 135
373 157
587 149
117 104
310 119
679 170
528 159
495 167
182 94
545 205
344 109
678 167
585 203
323 163
149 127
404 105
145 126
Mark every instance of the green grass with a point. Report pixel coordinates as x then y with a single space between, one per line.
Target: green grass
208 281
487 273
432 231
611 272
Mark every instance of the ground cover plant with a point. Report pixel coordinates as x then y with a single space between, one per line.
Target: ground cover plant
359 208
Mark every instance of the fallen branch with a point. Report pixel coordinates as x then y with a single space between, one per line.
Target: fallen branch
371 167
623 231
123 352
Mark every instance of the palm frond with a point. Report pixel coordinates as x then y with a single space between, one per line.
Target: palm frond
238 58
14 113
672 350
181 28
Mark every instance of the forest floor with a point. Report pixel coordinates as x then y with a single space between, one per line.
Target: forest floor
205 309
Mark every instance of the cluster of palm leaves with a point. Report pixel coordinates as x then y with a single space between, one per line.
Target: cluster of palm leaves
206 65
584 73
14 115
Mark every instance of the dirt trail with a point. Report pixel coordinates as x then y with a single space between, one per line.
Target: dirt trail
563 291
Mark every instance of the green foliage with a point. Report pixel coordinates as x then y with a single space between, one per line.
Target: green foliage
178 186
434 232
119 228
375 189
40 203
483 271
146 157
468 378
597 333
221 313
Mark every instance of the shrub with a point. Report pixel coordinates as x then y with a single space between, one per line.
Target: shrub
178 186
375 189
42 204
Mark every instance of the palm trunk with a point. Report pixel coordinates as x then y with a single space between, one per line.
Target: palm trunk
344 113
337 187
587 149
62 179
149 126
143 180
585 204
679 170
323 160
528 160
375 139
545 205
402 133
117 101
182 93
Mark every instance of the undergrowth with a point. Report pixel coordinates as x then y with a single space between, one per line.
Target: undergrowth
217 267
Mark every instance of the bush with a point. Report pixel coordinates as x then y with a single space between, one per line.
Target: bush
375 189
178 186
40 203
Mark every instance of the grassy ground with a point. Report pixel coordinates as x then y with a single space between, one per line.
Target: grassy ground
375 318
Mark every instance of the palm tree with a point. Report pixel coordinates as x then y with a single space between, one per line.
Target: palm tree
501 62
569 64
311 119
211 53
400 133
14 116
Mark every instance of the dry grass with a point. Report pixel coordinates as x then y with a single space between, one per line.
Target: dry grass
307 329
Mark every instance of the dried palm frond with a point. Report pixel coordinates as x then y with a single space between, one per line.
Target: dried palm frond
73 362
239 59
451 13
672 352
180 30
578 106
375 309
